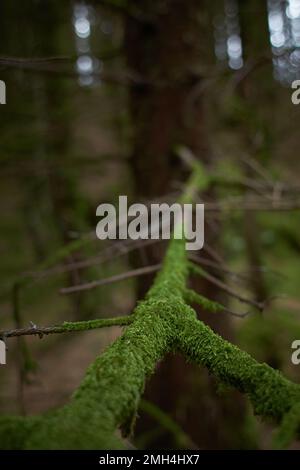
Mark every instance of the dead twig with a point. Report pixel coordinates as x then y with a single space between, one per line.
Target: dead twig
217 282
112 279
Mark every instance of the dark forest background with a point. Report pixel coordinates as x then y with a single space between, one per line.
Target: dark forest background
104 98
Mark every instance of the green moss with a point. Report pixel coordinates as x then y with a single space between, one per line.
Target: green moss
209 305
94 324
109 395
195 269
270 393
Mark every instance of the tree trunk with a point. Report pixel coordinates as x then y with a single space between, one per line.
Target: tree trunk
165 53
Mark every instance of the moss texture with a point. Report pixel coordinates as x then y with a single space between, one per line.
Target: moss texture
108 397
270 393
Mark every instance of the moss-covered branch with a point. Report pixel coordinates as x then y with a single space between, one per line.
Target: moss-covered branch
109 395
191 297
67 327
270 393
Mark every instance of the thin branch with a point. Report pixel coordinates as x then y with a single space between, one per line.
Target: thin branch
115 250
257 168
257 186
26 278
213 253
217 282
112 279
242 276
66 327
31 61
53 66
211 264
242 203
228 311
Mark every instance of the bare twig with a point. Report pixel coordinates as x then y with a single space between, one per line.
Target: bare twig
193 297
116 249
212 264
236 314
259 305
112 279
213 253
253 204
243 276
255 166
54 66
